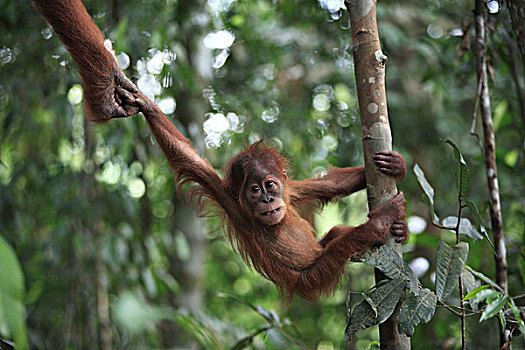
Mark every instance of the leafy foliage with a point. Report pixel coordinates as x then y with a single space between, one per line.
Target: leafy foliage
388 261
428 190
461 170
415 309
465 227
377 306
449 263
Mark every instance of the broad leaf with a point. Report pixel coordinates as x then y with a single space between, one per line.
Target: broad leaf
449 262
12 295
461 170
465 227
516 312
494 308
390 263
483 278
478 220
469 281
384 300
484 295
472 294
416 309
428 190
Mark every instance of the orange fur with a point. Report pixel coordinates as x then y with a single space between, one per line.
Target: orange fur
98 69
287 252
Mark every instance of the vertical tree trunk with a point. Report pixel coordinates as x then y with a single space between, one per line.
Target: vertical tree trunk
514 71
369 62
490 154
94 230
104 323
517 16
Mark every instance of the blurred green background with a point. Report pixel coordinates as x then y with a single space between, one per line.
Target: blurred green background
112 256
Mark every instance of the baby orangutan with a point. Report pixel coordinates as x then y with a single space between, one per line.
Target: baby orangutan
257 200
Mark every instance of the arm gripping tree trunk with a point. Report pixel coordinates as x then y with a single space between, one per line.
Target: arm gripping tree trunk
369 63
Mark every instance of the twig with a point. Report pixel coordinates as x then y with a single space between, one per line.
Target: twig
443 227
453 309
475 112
519 296
449 308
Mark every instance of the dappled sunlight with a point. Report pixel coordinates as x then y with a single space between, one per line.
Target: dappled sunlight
221 39
420 266
217 126
416 224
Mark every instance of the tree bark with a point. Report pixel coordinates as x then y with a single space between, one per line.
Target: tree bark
490 155
369 63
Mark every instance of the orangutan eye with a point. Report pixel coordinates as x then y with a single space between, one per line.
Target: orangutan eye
269 184
255 189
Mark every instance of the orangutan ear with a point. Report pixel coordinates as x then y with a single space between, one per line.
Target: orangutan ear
285 176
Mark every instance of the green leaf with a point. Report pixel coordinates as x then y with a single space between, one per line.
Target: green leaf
377 308
478 220
449 262
484 278
516 313
475 291
487 295
388 261
428 190
12 296
469 281
416 309
465 227
494 308
461 170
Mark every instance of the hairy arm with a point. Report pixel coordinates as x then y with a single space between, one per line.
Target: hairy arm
336 183
98 68
109 94
343 243
343 182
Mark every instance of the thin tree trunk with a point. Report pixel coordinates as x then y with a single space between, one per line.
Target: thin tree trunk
369 63
515 76
93 230
517 16
104 323
490 154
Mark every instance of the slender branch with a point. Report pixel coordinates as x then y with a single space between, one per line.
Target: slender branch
519 296
454 308
489 155
515 77
443 227
475 114
449 308
460 282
